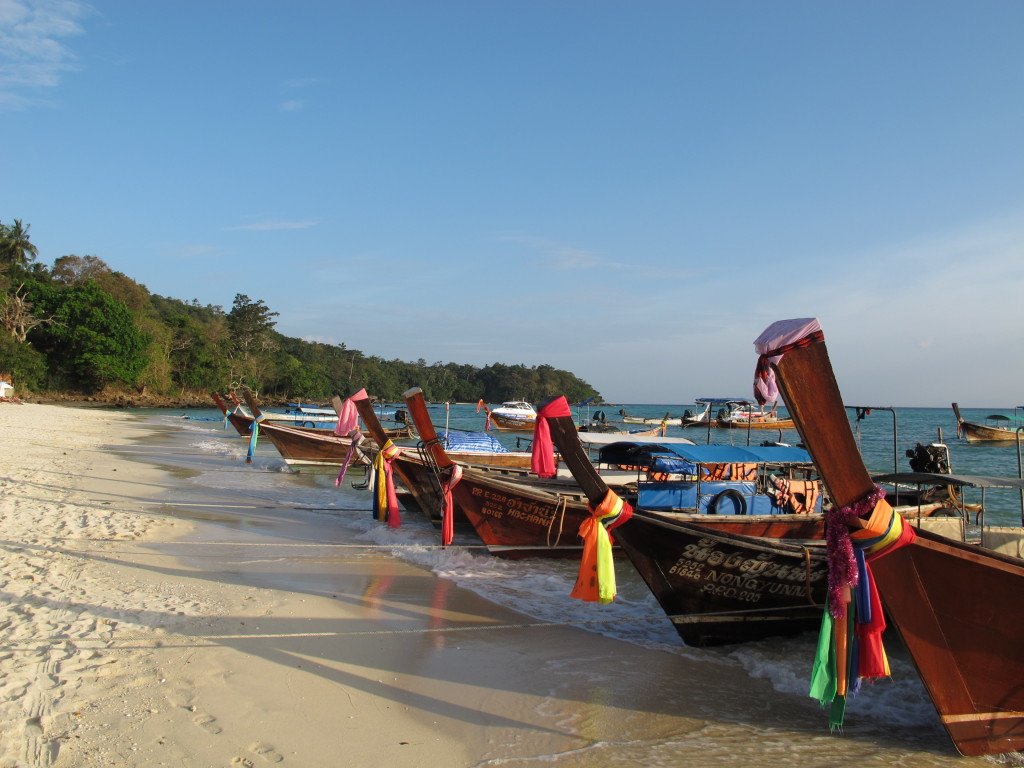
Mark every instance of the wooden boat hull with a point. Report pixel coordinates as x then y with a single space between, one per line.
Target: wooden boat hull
308 448
507 424
719 587
516 521
981 705
974 432
241 423
769 424
957 606
512 519
979 433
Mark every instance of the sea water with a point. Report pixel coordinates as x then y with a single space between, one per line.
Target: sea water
212 459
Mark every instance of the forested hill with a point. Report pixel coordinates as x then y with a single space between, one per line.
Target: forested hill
79 327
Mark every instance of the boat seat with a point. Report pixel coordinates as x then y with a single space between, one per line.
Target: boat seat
1007 539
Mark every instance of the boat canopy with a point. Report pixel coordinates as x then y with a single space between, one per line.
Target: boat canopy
631 454
470 442
749 454
724 400
644 454
319 410
934 478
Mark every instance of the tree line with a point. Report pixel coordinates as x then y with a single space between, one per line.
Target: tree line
81 327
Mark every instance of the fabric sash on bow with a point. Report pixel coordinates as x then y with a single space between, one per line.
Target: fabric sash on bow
348 418
254 435
448 504
542 459
595 582
348 426
778 338
850 645
385 499
357 438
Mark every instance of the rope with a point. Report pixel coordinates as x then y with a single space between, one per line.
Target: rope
563 503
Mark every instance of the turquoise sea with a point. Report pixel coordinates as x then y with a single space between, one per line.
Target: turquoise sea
884 437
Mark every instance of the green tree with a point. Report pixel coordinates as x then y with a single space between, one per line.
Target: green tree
26 366
72 269
93 341
250 325
16 248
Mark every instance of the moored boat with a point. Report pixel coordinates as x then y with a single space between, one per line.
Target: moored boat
956 606
745 415
511 416
302 447
514 516
629 419
721 577
236 416
997 428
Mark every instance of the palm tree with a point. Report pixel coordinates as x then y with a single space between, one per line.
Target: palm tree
16 249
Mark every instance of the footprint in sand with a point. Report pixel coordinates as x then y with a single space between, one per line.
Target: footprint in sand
266 752
243 762
208 723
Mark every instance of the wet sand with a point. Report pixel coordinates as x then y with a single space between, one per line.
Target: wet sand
143 622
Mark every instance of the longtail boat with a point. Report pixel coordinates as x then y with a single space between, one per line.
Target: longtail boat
237 417
627 419
515 518
957 607
300 447
996 428
384 454
720 578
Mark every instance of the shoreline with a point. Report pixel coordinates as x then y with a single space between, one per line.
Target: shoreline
147 620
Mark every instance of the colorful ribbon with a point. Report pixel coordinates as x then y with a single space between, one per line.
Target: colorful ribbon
357 437
254 434
595 582
542 459
385 499
850 645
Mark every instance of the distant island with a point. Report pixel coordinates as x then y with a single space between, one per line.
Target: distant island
81 332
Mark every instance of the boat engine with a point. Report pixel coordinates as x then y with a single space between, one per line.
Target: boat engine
929 458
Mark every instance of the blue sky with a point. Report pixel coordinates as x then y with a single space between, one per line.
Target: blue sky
631 191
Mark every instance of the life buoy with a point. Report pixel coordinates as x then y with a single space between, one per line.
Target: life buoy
729 493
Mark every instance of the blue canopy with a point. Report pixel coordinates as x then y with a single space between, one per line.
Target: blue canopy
633 454
474 442
730 454
666 454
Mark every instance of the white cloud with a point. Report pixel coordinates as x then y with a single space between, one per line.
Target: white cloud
32 56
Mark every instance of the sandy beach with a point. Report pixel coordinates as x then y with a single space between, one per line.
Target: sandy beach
134 631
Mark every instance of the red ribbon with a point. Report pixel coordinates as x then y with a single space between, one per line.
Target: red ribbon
448 505
542 460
